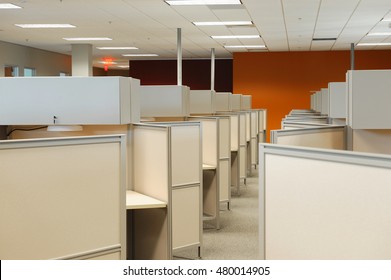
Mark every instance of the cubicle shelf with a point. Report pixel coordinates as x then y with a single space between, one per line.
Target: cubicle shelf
68 100
165 101
369 99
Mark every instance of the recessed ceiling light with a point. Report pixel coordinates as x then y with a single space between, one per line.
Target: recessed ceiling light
231 23
117 48
140 54
236 37
44 25
246 47
88 39
9 6
203 2
374 44
380 34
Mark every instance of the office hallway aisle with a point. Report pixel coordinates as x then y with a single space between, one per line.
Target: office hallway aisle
237 238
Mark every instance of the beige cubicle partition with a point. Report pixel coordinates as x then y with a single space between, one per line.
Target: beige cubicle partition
330 137
216 153
235 102
223 101
63 198
321 204
254 139
167 166
262 121
246 102
202 102
243 147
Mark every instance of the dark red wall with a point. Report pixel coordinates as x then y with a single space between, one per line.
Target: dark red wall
195 73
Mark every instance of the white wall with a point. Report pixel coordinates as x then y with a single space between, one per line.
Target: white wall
46 63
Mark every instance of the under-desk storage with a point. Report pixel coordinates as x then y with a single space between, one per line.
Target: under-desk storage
63 198
167 166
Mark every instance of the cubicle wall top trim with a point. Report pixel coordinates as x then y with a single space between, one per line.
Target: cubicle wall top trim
60 141
358 158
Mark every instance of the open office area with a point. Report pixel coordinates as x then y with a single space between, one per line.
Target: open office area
166 139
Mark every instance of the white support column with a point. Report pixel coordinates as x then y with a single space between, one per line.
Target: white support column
179 56
212 70
82 60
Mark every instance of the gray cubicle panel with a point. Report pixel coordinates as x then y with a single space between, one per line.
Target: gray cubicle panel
63 198
325 101
262 121
369 99
331 137
202 102
318 105
308 119
254 138
69 100
322 204
164 101
167 166
243 146
337 100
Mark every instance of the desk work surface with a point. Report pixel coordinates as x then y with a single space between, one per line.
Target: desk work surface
135 200
208 167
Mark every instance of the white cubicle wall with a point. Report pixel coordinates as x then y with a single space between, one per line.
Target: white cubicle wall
262 125
63 198
325 101
329 137
295 125
167 166
235 102
337 100
164 101
243 136
69 100
254 138
324 204
202 102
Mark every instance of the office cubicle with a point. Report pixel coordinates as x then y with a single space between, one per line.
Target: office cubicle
331 137
216 159
63 198
246 102
323 204
337 100
167 166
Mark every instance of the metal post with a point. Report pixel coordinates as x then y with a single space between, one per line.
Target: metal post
212 70
352 56
179 56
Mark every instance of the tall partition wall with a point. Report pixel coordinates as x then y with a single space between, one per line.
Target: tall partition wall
337 100
202 102
321 204
167 166
63 198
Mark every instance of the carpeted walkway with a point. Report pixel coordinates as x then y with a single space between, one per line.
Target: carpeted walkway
237 238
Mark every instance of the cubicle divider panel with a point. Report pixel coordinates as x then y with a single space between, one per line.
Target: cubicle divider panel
202 102
322 137
372 140
186 177
224 159
63 198
324 204
223 102
298 124
151 156
242 145
254 138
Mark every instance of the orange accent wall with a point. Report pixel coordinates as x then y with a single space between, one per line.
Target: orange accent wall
282 81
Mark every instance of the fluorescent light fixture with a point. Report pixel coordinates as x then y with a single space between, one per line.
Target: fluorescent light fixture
374 44
9 6
246 47
140 54
89 39
386 19
117 48
380 34
231 23
44 25
203 2
236 37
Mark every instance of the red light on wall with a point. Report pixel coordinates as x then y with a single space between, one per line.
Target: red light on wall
106 67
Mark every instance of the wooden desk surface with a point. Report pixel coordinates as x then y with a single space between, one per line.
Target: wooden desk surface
208 167
135 200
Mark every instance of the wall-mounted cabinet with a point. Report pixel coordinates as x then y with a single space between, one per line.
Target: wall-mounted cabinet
165 101
68 100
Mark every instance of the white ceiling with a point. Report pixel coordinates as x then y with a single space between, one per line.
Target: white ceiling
151 25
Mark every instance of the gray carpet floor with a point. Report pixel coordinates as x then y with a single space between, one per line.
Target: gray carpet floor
237 238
